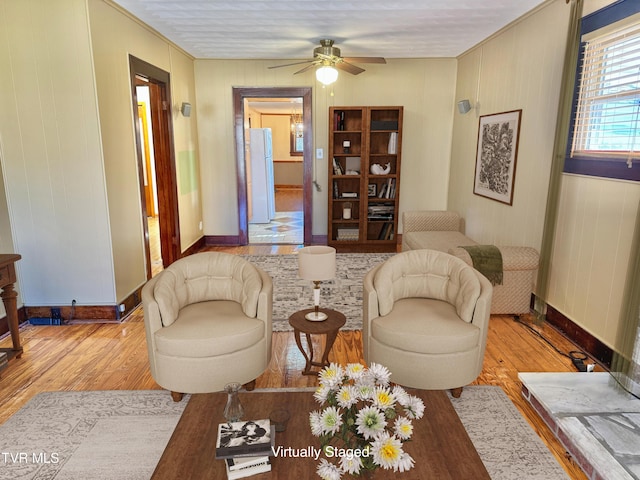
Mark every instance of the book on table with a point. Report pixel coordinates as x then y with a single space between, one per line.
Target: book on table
245 438
242 467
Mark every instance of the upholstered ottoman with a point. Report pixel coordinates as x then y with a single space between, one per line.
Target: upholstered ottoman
442 230
519 264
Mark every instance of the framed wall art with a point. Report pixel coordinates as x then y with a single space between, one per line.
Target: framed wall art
496 157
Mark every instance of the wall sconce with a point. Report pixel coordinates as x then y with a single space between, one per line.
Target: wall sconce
186 109
464 106
326 74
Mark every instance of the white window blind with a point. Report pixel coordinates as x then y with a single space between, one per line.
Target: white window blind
607 122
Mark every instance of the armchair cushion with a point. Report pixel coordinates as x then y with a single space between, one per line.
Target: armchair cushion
201 278
442 277
407 328
196 336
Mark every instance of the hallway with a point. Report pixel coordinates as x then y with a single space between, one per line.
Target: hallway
288 225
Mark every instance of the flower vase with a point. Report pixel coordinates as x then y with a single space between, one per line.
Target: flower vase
233 410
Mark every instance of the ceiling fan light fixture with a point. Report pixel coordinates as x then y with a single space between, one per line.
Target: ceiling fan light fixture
326 74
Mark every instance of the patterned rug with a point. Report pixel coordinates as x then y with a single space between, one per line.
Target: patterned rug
291 293
121 435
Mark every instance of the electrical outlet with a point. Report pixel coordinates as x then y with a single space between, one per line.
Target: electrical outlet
319 153
122 308
56 316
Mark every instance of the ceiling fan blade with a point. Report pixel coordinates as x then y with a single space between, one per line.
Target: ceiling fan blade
364 59
290 64
347 67
306 68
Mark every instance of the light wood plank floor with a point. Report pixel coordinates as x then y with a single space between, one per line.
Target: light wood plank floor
114 357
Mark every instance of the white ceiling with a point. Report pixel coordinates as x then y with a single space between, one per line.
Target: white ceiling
290 29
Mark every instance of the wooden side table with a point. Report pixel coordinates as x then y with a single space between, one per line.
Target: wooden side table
328 327
10 300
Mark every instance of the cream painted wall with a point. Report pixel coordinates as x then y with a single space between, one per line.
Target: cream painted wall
521 68
51 154
287 169
280 126
518 69
185 135
591 252
114 36
425 87
592 246
68 154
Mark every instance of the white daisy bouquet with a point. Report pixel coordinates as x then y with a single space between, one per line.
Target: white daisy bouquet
364 420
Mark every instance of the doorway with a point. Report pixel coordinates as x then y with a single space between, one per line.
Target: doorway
275 149
284 199
156 166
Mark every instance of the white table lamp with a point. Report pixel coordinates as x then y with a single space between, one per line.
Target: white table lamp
316 263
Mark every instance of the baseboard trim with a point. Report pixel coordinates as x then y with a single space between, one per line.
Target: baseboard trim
84 313
586 341
319 239
224 240
195 247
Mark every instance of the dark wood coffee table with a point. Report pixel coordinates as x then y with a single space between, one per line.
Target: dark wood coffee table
440 445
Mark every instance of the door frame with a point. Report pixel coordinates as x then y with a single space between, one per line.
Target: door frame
164 158
239 96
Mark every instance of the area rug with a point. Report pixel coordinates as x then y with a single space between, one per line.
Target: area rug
291 293
121 435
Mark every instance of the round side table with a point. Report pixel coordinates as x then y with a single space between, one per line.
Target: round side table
328 327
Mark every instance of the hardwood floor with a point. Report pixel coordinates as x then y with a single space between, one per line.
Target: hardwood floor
288 199
114 357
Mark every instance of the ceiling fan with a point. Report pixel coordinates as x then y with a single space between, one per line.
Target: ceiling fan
328 58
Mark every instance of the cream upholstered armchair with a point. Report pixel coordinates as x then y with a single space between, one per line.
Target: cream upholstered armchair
208 323
426 317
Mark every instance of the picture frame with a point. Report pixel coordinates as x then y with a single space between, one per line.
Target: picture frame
497 155
372 190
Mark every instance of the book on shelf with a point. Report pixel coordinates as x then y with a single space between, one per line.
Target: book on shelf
388 189
380 209
338 120
349 194
386 232
242 467
348 235
245 438
337 168
393 143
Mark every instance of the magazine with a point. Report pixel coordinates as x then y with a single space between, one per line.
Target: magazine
244 438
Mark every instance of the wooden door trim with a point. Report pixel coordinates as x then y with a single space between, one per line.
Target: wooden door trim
239 95
166 176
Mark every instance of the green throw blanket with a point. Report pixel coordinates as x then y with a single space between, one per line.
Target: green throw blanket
487 259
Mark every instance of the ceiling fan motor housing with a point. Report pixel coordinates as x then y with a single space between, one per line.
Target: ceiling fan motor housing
327 49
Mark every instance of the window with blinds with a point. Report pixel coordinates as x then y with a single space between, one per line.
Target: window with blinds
607 116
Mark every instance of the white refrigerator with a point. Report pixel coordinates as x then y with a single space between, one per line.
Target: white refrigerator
260 185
